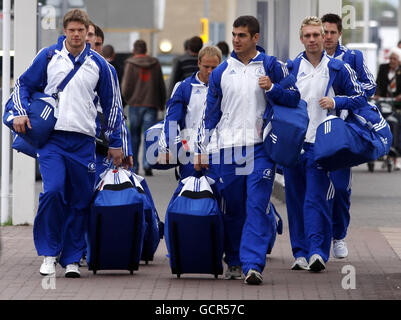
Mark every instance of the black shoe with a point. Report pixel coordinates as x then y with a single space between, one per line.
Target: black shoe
148 172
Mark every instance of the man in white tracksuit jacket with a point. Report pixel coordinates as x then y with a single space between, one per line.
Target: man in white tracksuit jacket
240 90
67 160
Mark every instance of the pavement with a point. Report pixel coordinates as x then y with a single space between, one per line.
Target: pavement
372 270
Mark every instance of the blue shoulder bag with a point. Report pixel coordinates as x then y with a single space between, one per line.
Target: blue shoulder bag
40 112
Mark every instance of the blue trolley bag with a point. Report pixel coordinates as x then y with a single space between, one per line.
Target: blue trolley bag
152 136
116 223
275 225
284 134
194 229
362 137
154 227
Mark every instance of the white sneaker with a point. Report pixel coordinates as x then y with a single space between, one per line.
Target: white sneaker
339 249
72 271
300 264
253 277
233 272
48 266
316 263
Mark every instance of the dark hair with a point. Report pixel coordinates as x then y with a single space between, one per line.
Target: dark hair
108 51
99 32
195 44
333 18
140 46
76 15
248 21
223 46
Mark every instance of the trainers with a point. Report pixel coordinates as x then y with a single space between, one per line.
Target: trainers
233 272
300 264
339 249
83 262
253 277
72 271
316 263
48 266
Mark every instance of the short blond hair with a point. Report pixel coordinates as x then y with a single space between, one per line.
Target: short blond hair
210 51
311 21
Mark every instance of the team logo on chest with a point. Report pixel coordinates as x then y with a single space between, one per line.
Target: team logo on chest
260 72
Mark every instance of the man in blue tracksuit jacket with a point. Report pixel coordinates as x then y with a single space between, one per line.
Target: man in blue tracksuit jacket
185 109
239 92
327 85
342 178
67 160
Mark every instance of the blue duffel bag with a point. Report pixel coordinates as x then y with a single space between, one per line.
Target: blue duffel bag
41 116
362 137
194 232
21 145
284 134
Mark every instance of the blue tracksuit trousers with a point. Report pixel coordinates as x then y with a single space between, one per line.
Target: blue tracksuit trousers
67 165
342 202
309 193
245 186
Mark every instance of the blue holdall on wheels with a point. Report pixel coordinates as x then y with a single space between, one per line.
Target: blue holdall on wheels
284 134
116 223
194 229
362 137
154 227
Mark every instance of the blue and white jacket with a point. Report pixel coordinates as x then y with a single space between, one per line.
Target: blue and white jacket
185 108
100 124
76 110
355 59
331 78
237 104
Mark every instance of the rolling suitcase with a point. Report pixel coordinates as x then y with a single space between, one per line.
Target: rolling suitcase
116 223
194 229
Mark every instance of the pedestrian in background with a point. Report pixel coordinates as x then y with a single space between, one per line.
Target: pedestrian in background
186 64
144 90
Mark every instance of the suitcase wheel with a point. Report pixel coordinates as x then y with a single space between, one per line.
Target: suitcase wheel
146 262
178 275
131 272
94 271
216 276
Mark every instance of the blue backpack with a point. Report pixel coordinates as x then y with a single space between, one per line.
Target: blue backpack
194 229
116 223
285 128
284 134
